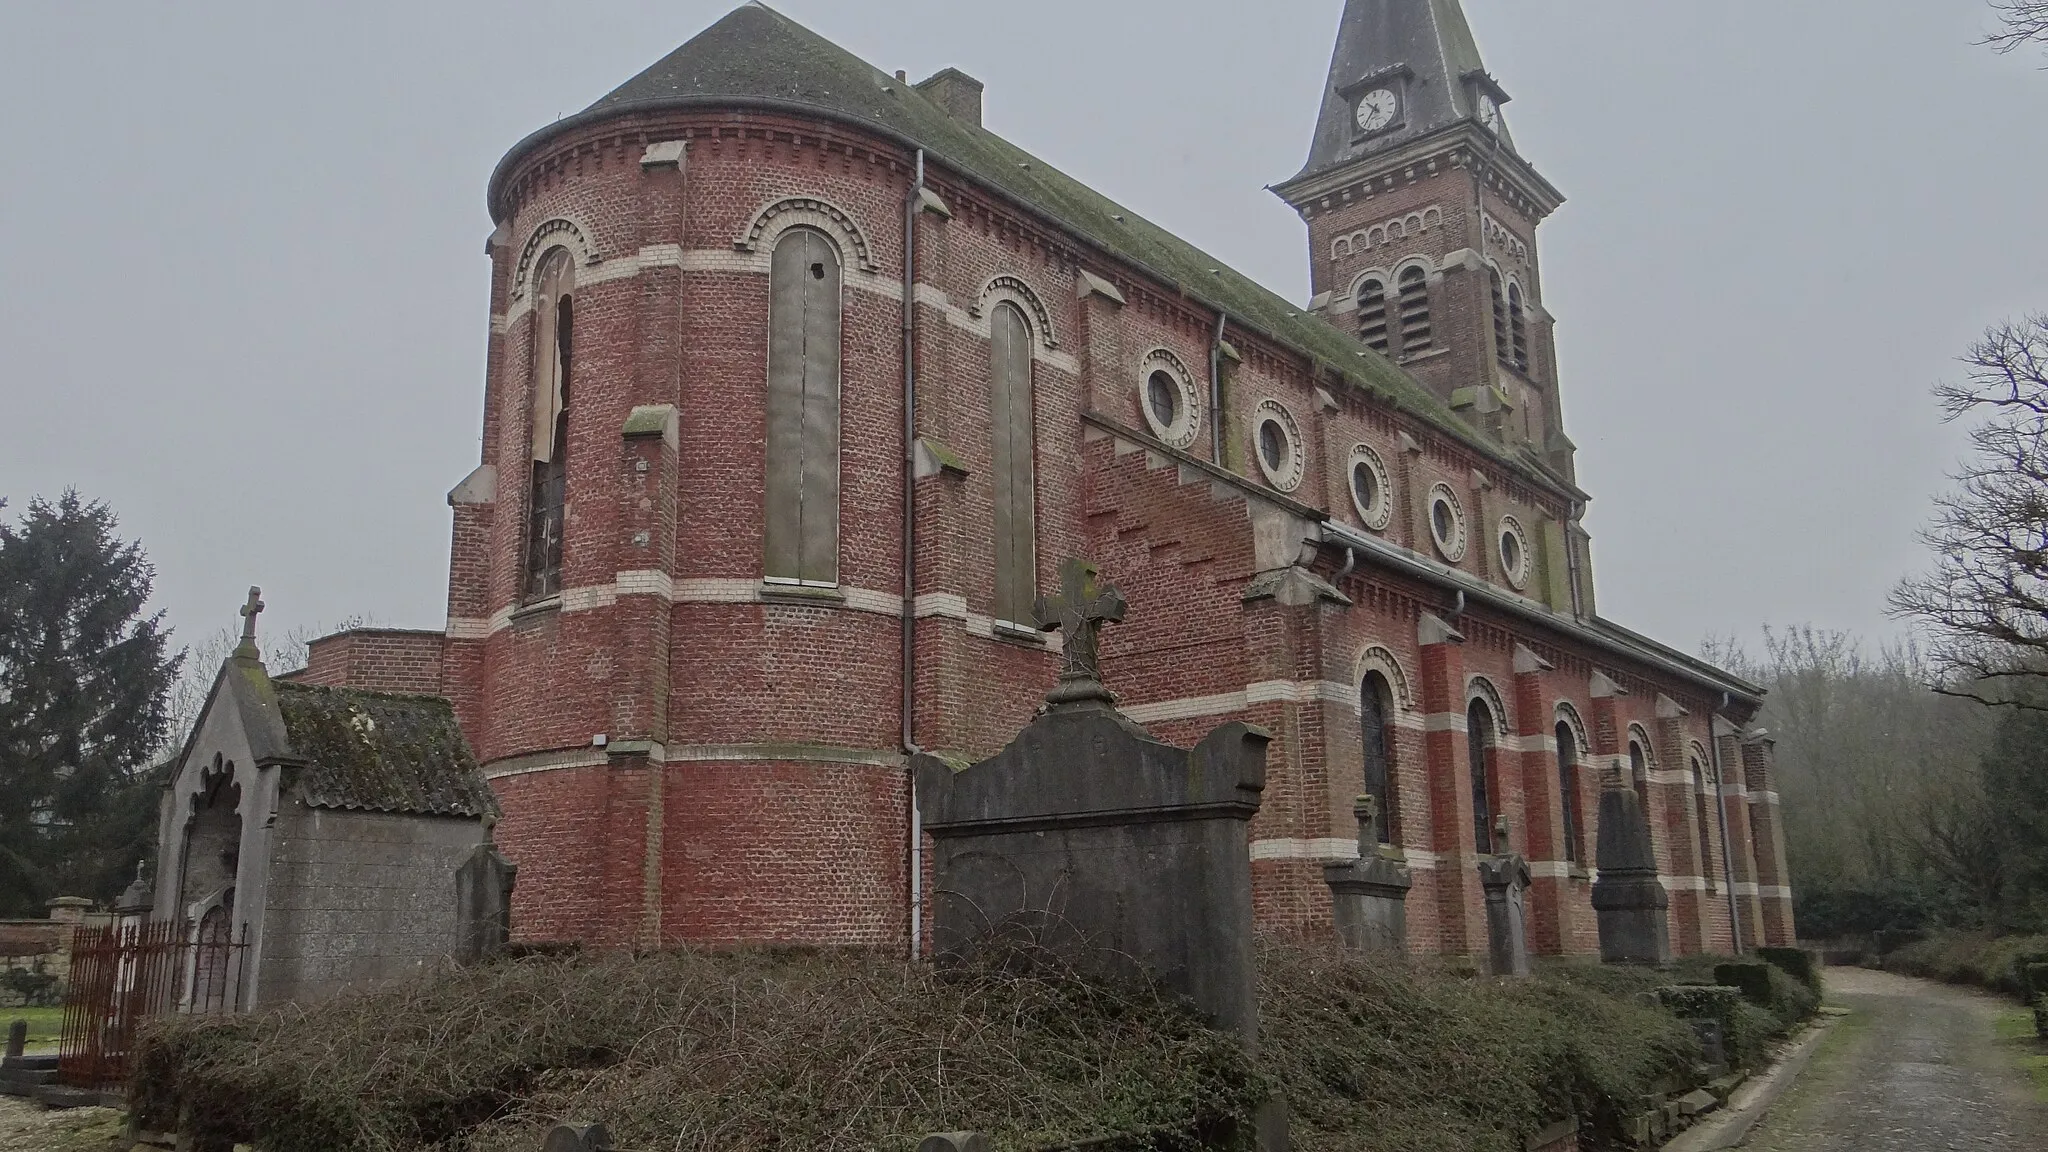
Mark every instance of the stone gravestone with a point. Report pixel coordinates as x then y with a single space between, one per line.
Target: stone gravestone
483 902
1370 894
1506 879
1630 902
1089 838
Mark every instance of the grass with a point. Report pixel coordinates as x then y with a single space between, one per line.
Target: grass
2015 1032
44 1024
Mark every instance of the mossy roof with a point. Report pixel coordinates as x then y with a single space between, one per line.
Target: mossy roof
757 57
378 752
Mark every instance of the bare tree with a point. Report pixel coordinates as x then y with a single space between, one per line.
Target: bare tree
1986 599
2026 22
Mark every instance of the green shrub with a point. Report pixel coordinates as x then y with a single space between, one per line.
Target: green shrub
1752 979
2035 975
1981 959
1797 963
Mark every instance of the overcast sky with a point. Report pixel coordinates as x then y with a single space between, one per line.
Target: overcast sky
244 294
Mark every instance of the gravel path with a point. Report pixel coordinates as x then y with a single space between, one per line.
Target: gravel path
26 1127
1916 1067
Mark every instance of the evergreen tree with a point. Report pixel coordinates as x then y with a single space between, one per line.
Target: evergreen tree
84 682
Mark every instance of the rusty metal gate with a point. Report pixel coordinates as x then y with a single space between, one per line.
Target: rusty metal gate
123 975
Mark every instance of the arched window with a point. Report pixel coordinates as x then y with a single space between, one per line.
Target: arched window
1376 724
1639 773
802 536
1012 462
1518 325
1568 788
1372 314
554 328
1416 335
1479 749
1501 336
1700 821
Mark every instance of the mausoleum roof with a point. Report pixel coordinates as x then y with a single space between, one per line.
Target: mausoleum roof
756 57
378 752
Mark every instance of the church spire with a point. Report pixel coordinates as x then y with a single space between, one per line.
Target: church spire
1403 70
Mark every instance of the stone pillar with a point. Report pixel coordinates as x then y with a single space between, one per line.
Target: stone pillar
1629 900
1370 894
1505 879
1773 884
1460 903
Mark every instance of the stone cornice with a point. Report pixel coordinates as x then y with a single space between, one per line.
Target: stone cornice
1459 146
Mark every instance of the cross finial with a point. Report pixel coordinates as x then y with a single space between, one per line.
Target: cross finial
1084 605
250 610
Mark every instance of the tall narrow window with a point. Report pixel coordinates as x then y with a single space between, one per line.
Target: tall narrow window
1701 825
1639 772
1568 788
1416 334
1501 337
1518 326
1010 412
1372 314
554 329
1479 742
1375 722
802 538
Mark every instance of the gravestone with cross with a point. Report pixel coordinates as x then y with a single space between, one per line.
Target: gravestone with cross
1091 838
1369 895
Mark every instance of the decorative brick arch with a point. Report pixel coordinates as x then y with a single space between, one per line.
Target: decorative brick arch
1480 688
1015 290
1381 659
1641 735
555 232
838 225
1568 715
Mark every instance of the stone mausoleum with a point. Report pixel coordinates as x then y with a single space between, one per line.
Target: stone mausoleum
801 385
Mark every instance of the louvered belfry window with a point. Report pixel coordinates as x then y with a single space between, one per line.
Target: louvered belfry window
1416 335
554 322
1500 321
1372 314
1518 323
802 533
1012 462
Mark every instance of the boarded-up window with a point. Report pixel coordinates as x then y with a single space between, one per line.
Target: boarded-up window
802 542
1375 723
1479 750
554 324
1016 521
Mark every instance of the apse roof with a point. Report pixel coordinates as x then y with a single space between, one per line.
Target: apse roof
757 57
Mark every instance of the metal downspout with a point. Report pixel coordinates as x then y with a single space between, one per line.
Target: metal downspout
909 655
1216 391
1721 808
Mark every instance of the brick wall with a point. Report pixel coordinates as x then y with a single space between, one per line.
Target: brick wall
376 660
684 753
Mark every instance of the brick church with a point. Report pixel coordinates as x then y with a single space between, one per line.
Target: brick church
801 385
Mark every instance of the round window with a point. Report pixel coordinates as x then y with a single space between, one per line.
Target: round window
1370 492
1166 400
1447 523
1277 443
1162 395
1514 551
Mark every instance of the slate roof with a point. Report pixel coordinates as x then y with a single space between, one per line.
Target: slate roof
377 752
756 57
1433 40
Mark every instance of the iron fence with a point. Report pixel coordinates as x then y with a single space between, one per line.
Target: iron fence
125 974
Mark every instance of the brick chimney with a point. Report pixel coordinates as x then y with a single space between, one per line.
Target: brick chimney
957 92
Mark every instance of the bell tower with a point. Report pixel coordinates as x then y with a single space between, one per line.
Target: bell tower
1422 218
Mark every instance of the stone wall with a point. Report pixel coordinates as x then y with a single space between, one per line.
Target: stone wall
357 897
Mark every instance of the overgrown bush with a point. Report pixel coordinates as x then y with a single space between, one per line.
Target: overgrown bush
1797 963
825 1050
1970 958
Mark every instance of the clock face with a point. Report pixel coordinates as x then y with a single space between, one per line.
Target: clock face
1376 109
1489 112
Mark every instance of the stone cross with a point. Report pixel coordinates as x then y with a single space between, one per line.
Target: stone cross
1084 605
250 610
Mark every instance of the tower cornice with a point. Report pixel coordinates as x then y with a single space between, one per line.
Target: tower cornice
1462 145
